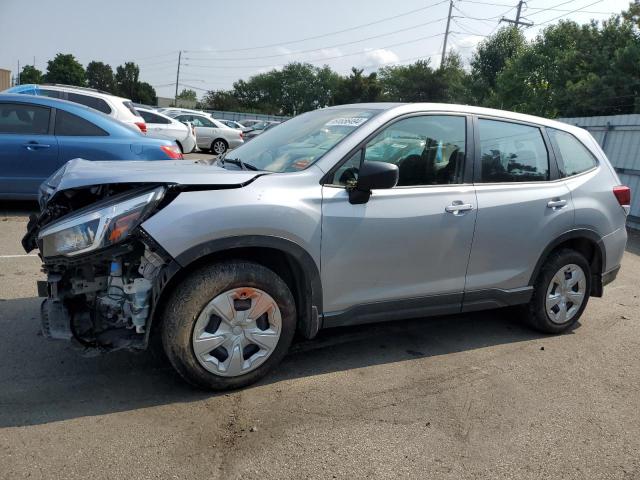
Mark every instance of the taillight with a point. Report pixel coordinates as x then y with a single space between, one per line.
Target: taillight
142 126
172 151
623 195
241 136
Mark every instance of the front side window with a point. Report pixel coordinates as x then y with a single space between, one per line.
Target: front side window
298 143
70 125
574 157
428 150
512 152
27 119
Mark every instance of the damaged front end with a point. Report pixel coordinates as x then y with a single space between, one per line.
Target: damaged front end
104 273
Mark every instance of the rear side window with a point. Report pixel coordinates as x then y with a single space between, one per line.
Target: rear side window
131 108
575 158
512 152
70 125
89 101
24 119
153 118
45 92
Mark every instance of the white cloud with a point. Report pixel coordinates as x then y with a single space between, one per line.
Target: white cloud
381 56
331 52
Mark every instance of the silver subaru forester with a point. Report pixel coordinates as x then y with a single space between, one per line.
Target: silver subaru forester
340 216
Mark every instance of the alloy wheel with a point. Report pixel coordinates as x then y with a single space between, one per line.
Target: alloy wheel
219 147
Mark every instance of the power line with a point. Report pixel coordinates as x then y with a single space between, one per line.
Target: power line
550 8
298 52
322 35
323 59
569 13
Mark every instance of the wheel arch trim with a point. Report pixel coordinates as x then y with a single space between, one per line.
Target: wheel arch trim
576 234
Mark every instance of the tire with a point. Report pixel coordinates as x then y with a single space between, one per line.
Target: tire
219 146
196 299
549 287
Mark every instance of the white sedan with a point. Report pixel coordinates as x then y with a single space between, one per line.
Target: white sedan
211 134
162 126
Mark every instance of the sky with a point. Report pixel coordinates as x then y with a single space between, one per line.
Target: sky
222 41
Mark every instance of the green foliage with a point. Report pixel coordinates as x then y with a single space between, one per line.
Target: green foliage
100 76
358 88
221 100
127 80
65 69
30 74
187 94
145 93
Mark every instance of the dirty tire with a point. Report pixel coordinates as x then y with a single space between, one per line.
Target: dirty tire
219 146
190 297
535 312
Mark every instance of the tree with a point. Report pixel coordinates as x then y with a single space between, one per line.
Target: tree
221 100
187 94
146 94
127 80
358 88
100 76
489 60
30 74
575 70
419 82
65 69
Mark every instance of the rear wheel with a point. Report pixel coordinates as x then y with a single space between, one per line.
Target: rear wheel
219 146
561 292
228 324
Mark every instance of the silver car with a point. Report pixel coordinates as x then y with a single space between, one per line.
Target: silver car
341 216
212 135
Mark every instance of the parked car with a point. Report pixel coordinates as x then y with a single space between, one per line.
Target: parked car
162 126
211 135
341 216
236 125
39 134
251 123
117 107
259 128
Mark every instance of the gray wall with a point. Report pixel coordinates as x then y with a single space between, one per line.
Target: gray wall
619 137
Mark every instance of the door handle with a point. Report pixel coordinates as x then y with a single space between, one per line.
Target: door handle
557 204
457 207
35 146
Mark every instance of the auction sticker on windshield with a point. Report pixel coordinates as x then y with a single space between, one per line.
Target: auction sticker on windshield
347 121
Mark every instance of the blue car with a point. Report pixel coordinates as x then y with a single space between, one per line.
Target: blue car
39 134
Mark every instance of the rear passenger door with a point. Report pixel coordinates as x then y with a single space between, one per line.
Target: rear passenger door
29 153
80 138
522 207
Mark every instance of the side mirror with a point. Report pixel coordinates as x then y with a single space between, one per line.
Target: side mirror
373 175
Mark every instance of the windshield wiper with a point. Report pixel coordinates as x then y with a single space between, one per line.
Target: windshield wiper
240 163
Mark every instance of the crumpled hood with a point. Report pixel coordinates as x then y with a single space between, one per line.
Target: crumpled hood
83 173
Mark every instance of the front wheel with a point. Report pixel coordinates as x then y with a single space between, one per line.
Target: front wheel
219 146
561 292
228 324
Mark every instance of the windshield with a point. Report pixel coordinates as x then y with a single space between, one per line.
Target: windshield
301 141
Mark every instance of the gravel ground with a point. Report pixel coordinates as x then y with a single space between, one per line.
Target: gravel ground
467 396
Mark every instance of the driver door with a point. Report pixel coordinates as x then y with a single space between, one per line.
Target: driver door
404 253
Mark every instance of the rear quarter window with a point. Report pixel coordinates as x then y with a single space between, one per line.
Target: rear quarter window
89 101
70 125
574 157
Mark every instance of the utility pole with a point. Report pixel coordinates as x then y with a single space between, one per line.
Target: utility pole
517 22
175 100
18 75
446 36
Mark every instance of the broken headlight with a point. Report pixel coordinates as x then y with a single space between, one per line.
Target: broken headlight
98 228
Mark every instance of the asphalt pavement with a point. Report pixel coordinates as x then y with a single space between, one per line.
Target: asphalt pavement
459 397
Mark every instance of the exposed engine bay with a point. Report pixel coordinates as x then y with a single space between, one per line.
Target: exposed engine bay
102 300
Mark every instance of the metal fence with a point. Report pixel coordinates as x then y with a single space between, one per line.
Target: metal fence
239 116
619 137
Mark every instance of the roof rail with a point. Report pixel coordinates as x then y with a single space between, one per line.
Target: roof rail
88 89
